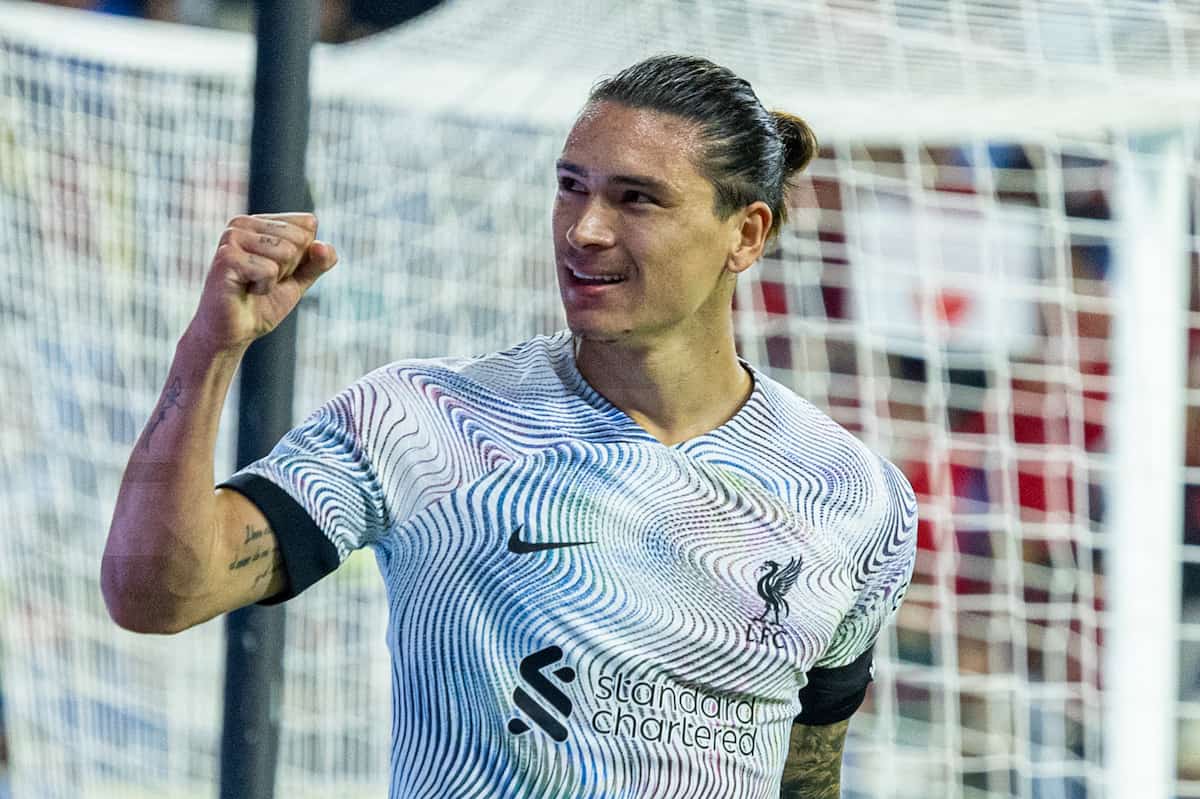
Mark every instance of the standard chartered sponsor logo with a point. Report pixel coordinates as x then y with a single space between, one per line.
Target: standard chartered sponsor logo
663 711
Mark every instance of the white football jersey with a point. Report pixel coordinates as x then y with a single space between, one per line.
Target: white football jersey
577 609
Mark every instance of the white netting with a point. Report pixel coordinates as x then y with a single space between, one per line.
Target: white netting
943 289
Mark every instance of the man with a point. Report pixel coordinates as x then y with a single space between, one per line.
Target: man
620 561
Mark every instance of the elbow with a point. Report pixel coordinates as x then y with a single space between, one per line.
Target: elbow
136 621
137 607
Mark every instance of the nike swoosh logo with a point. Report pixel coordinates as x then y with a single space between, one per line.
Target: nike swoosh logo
520 547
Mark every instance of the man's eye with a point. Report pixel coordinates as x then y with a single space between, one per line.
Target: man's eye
638 198
569 184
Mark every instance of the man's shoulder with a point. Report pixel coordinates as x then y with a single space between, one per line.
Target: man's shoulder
812 448
807 435
535 367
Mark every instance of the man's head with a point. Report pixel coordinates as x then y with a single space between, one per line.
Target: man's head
670 183
748 153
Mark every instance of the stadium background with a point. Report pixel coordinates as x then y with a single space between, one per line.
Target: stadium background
977 354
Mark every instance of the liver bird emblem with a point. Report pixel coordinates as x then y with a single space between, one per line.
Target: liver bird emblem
773 585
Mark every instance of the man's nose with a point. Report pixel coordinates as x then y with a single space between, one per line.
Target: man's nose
593 228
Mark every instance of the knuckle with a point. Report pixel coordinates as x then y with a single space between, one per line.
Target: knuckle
234 235
241 221
256 269
267 265
226 252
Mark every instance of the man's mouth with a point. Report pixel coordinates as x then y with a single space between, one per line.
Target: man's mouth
595 279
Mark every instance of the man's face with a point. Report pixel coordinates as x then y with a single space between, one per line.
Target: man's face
639 250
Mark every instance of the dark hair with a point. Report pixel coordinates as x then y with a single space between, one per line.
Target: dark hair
749 153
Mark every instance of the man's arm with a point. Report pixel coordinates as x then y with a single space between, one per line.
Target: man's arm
178 552
814 763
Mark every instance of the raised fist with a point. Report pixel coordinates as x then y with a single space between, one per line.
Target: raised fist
263 265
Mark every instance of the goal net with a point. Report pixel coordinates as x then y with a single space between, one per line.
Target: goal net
956 285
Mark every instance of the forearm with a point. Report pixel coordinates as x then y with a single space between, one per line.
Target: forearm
158 553
814 765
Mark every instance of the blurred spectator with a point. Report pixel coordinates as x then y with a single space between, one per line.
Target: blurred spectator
340 20
1188 745
3 748
162 10
346 20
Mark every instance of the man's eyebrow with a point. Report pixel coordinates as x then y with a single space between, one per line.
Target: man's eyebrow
640 181
570 167
644 182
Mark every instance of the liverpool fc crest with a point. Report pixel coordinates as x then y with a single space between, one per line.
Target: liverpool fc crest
773 585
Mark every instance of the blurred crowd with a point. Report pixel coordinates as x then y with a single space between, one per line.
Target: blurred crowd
340 20
994 456
987 453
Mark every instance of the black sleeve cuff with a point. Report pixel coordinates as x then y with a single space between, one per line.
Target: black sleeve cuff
307 554
832 695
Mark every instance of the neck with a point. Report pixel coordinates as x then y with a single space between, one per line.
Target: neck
673 389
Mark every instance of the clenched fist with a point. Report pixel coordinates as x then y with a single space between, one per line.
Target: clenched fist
263 265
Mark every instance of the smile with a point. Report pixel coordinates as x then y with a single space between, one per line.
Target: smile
596 278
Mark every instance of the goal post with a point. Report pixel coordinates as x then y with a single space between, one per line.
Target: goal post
256 636
1152 290
984 276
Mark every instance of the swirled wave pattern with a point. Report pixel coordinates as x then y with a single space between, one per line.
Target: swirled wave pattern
578 610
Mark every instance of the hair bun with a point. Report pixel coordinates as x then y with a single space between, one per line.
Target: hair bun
799 141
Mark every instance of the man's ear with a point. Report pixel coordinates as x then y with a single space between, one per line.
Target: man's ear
749 237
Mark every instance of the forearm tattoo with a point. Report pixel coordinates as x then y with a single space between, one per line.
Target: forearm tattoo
170 400
814 765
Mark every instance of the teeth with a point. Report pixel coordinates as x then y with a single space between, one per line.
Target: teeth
598 279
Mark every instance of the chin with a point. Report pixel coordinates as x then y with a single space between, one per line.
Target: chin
595 330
